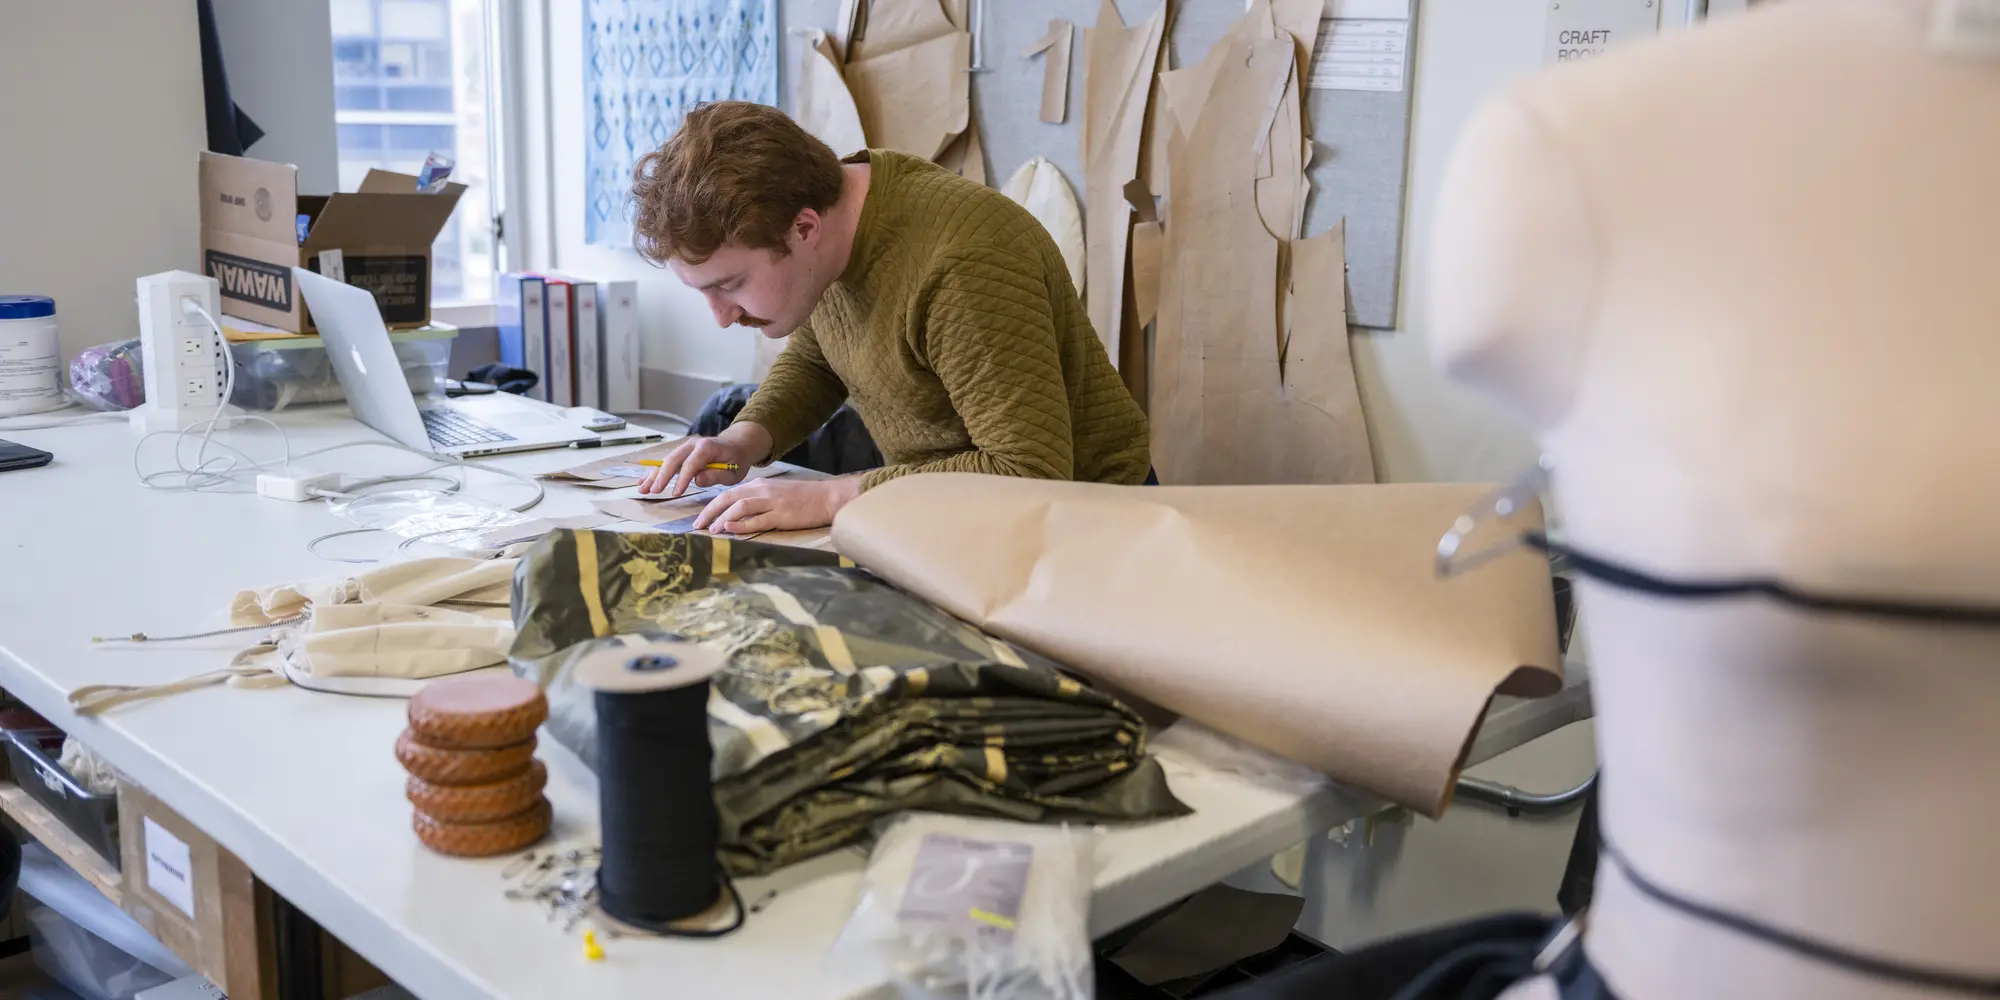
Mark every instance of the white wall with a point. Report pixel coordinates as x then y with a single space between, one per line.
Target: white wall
101 110
679 333
1423 428
279 55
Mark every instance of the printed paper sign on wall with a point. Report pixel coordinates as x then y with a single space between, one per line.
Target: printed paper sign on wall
649 61
1580 29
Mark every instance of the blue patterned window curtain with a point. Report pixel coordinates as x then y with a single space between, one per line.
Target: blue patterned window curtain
650 61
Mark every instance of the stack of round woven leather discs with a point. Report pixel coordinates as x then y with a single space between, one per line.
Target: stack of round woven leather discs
474 779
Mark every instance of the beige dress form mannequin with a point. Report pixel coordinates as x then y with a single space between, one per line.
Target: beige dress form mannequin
1744 284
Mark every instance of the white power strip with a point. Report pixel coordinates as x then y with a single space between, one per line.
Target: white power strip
183 356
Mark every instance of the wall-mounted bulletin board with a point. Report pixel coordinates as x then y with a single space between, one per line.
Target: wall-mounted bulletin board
1357 101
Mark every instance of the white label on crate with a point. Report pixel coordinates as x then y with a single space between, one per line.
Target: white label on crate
169 867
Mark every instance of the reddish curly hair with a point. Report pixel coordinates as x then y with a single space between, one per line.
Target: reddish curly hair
734 172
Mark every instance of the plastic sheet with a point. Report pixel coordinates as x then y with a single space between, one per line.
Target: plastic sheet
985 909
59 888
450 520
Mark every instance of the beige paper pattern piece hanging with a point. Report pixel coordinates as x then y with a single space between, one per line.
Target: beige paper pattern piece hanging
1305 620
907 75
1153 138
1253 379
965 156
1055 47
826 108
1148 250
1325 436
1041 189
1118 81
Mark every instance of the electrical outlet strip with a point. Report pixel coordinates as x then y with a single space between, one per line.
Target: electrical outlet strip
183 358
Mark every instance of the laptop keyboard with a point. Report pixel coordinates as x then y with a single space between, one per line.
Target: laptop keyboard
451 429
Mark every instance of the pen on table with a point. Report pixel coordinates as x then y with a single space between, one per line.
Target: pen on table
720 466
614 443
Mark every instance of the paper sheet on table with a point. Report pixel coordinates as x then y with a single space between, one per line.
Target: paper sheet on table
1305 620
597 473
677 516
826 108
907 77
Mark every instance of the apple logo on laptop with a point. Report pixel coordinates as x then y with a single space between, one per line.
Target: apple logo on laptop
356 352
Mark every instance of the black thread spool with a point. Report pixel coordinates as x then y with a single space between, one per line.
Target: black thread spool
655 799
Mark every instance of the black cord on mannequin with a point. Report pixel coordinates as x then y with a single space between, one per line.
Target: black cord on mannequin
1830 954
1612 574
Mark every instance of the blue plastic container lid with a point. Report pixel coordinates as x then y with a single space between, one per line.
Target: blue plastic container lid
26 306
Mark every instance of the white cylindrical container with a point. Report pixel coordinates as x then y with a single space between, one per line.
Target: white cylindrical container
30 355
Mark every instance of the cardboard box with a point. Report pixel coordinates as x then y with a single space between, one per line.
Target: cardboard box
250 213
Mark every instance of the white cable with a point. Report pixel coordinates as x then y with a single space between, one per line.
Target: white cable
7 424
208 474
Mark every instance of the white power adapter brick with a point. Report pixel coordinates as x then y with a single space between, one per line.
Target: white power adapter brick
296 489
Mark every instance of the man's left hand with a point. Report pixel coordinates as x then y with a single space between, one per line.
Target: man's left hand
778 504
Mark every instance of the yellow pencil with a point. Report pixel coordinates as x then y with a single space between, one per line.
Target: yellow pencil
720 466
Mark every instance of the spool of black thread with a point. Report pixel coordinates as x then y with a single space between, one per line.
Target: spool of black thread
656 801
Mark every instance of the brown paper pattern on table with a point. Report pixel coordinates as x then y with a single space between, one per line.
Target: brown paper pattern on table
1118 81
1306 620
907 76
826 108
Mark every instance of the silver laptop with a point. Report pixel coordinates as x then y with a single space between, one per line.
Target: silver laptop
358 345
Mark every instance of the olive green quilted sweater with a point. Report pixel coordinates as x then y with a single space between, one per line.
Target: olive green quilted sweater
961 341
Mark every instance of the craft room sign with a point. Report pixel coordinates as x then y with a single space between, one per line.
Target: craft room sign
1581 29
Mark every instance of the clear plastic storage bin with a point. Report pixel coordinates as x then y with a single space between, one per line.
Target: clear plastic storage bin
274 374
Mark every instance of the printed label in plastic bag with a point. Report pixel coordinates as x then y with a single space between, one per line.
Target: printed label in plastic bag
975 885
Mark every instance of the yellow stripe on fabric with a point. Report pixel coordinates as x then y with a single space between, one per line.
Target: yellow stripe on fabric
846 563
589 583
786 604
761 732
1005 653
996 765
718 550
832 643
1068 688
918 679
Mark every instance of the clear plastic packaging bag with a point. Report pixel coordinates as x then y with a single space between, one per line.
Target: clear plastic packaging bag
450 520
90 966
955 906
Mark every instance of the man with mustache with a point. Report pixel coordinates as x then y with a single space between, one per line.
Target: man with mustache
941 308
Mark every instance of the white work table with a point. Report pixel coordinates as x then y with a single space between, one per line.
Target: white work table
305 790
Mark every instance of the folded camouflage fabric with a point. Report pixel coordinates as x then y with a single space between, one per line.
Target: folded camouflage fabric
843 700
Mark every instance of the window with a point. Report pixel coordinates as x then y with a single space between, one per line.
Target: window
412 78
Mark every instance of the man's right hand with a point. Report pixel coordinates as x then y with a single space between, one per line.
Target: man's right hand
743 445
